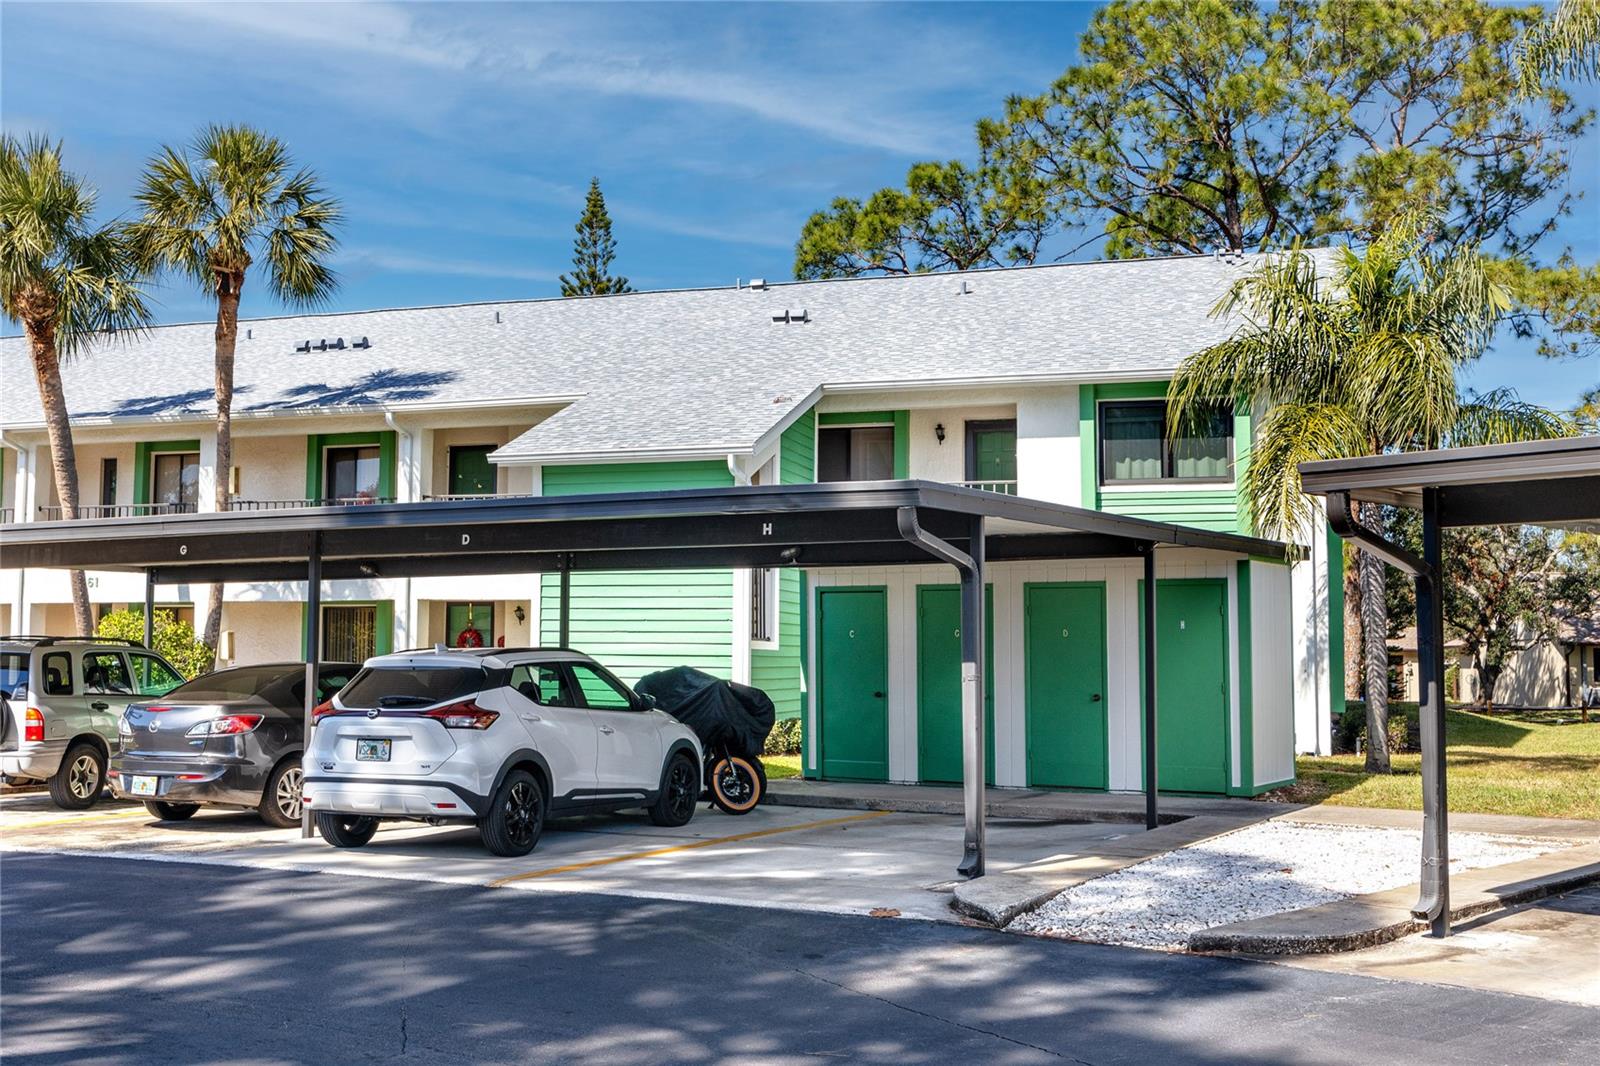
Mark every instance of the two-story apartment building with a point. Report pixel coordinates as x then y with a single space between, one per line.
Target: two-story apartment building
1044 382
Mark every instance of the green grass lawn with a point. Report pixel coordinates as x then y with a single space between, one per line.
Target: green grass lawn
781 766
1501 764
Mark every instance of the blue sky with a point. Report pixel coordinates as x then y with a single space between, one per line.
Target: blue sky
461 137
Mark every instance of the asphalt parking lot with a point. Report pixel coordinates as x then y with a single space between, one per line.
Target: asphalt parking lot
843 862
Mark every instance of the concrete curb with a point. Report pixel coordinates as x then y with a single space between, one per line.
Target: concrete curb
1001 898
1035 810
1381 917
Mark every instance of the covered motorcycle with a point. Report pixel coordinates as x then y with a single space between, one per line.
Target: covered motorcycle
732 722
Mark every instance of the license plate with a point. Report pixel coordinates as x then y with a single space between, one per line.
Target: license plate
372 750
142 786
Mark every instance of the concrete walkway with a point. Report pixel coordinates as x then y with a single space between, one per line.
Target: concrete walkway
1015 802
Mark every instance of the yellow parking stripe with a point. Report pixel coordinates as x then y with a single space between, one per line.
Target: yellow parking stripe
89 819
684 847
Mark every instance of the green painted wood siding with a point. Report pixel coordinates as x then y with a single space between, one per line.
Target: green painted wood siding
776 671
637 621
1224 509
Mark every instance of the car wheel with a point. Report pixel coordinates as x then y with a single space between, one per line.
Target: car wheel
346 830
516 816
171 812
280 801
735 785
680 788
77 784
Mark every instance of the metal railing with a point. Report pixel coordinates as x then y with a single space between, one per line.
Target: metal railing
1005 488
55 513
286 505
477 496
7 514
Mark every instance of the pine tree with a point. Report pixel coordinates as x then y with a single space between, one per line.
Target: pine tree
593 251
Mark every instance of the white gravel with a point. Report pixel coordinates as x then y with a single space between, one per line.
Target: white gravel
1263 869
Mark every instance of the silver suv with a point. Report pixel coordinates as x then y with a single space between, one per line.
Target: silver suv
60 698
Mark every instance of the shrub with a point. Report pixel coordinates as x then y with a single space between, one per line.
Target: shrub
173 638
784 738
1350 733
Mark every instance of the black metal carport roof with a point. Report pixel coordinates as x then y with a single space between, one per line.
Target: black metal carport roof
805 525
1545 482
1540 482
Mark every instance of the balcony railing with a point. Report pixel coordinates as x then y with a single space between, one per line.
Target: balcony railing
285 505
1005 488
478 496
117 510
7 514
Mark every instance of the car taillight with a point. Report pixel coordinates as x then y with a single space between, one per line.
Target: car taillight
464 715
227 725
33 724
325 707
123 728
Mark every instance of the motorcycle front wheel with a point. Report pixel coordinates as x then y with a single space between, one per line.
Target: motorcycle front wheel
736 785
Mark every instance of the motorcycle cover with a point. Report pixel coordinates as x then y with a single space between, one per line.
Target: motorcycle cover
720 712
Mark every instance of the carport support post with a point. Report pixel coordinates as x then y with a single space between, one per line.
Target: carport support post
1151 814
313 644
149 608
974 743
1434 902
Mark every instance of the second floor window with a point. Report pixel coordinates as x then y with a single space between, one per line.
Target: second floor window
1135 447
175 479
352 473
855 453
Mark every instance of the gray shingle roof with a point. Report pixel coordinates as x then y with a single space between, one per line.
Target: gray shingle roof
672 372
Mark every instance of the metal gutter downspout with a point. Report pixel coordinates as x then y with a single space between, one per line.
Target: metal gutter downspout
1433 902
973 741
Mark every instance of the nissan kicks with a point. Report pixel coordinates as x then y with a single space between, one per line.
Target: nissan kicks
499 738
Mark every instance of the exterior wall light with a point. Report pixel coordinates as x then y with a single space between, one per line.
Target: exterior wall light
938 432
520 613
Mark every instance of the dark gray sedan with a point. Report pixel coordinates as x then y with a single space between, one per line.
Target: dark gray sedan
232 738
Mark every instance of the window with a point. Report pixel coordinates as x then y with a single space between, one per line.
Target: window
108 482
412 686
151 676
330 682
471 473
175 480
600 692
351 474
855 453
58 674
764 605
105 673
1134 446
992 455
349 634
543 684
14 675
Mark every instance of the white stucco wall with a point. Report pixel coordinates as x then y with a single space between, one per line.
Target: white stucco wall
1049 460
271 468
1272 674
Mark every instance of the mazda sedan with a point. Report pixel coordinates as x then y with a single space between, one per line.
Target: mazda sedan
229 739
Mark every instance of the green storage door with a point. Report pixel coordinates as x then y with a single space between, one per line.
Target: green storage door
1065 650
1192 685
852 682
939 682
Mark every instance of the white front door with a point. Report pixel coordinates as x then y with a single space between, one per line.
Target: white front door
630 738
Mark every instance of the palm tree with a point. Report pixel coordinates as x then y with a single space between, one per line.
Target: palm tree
1358 363
66 282
209 214
1567 44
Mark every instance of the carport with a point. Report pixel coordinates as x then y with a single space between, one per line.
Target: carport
856 524
1551 482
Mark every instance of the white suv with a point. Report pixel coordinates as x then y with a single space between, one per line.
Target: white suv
499 737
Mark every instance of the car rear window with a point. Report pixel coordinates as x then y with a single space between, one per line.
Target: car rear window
14 675
412 686
237 684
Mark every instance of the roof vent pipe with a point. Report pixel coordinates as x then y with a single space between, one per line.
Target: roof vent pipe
758 284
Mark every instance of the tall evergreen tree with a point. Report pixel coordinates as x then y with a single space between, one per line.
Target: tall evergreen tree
592 251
